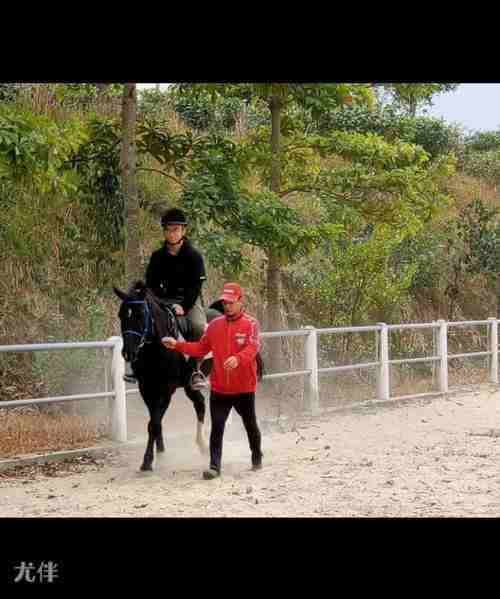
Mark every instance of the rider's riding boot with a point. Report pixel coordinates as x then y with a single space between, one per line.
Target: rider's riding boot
129 376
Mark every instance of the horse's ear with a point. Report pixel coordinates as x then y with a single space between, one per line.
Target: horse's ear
121 294
139 288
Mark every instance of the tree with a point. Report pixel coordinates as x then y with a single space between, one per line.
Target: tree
287 203
277 98
348 281
435 135
35 150
133 264
478 227
412 96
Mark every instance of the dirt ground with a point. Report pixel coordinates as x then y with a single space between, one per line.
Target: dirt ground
438 457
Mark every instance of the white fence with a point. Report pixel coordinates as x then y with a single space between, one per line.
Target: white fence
312 370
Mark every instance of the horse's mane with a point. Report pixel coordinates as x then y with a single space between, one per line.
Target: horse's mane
164 326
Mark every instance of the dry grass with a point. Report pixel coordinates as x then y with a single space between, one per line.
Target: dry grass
23 432
464 187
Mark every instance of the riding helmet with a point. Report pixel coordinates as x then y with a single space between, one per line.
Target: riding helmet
173 216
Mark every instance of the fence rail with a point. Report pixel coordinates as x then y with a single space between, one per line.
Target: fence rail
311 370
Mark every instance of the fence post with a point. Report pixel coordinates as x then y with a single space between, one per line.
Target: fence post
383 387
443 355
434 353
119 410
311 391
494 350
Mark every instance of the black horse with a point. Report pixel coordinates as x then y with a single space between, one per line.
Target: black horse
159 371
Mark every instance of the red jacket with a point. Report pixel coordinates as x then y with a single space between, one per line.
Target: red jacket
236 337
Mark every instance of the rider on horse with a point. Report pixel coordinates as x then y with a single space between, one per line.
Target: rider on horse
175 274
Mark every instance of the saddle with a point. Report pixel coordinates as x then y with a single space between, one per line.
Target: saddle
185 327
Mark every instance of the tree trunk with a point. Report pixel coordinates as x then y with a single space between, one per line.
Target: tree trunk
412 106
274 320
133 263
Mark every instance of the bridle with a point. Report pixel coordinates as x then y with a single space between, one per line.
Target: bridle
148 324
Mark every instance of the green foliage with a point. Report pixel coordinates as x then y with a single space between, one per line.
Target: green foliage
218 106
483 164
267 222
214 194
409 97
483 141
9 92
19 226
381 179
370 148
152 103
480 156
478 227
35 150
202 111
171 150
431 250
352 279
98 164
434 135
447 254
83 95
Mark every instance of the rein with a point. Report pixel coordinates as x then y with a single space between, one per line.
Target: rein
148 324
148 321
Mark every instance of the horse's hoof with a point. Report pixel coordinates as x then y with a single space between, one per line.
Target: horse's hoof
146 467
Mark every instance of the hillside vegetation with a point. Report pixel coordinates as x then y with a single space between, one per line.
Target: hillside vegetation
330 206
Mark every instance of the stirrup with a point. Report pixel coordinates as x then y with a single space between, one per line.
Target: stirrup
198 381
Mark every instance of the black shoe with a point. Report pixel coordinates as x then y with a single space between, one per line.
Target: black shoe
198 381
210 474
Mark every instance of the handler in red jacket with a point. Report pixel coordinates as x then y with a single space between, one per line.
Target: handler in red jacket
234 341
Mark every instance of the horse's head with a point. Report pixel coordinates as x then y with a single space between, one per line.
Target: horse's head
142 319
135 319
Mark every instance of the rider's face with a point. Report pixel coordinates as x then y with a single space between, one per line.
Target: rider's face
232 308
174 233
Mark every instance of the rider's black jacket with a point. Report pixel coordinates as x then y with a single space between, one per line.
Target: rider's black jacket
177 277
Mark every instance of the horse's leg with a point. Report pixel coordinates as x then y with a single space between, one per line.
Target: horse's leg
157 403
160 445
147 462
198 400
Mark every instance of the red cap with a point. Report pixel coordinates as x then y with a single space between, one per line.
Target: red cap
231 292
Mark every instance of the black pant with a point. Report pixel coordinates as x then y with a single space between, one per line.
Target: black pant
220 406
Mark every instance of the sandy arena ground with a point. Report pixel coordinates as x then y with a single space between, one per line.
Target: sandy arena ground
438 457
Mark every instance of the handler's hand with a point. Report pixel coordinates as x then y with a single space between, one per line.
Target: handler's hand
231 363
169 342
179 310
